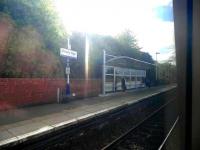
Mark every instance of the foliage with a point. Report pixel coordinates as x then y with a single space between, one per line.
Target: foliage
127 39
172 58
33 45
40 14
27 58
78 44
98 43
6 28
167 72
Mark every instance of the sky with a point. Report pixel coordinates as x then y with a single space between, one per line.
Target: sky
151 21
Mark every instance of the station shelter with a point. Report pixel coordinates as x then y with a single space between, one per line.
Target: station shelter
133 78
113 73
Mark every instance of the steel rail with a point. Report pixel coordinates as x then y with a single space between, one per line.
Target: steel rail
120 138
169 133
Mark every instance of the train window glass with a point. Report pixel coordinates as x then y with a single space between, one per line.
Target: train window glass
87 64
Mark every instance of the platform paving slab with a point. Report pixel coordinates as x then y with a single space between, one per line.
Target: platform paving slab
26 128
4 134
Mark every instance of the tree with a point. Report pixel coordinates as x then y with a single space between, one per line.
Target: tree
115 46
27 58
33 45
32 48
127 39
172 58
166 73
39 14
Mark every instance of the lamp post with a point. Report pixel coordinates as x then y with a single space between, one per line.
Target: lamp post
157 66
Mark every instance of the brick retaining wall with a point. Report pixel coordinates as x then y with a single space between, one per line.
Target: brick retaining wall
16 92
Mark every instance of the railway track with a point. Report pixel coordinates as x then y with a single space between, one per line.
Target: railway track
95 133
149 134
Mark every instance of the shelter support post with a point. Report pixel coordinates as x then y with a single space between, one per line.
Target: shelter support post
103 72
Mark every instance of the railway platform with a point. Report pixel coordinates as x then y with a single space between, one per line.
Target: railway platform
26 123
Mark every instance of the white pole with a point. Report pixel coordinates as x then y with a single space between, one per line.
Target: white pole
103 72
114 80
68 73
67 67
136 81
58 95
87 51
130 79
68 43
69 47
157 66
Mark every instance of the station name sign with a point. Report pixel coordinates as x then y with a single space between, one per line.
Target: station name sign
68 53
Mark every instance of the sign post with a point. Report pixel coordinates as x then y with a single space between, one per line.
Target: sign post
68 83
69 54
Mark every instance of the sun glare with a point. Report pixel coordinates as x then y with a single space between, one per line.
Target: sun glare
111 17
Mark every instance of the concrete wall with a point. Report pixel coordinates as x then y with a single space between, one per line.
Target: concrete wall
16 92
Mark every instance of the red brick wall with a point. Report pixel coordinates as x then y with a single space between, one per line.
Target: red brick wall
15 92
85 88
